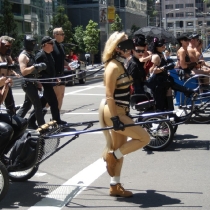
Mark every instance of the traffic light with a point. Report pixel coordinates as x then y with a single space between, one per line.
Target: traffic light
181 24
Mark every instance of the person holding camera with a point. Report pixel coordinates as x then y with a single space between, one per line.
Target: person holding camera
30 70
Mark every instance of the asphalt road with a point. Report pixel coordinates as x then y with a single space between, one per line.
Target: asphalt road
76 177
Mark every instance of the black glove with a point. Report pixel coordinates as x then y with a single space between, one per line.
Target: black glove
169 66
13 66
117 124
4 65
40 67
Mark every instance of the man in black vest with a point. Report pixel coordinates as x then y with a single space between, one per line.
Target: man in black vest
30 70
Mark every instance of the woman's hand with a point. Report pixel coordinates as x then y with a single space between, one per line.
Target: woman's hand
2 81
9 82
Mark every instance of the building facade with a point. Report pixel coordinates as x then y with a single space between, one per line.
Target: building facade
186 16
33 16
131 12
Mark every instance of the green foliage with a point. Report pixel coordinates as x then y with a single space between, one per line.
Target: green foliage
60 19
117 24
78 38
133 29
91 38
8 26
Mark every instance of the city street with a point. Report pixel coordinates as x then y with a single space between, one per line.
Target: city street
176 178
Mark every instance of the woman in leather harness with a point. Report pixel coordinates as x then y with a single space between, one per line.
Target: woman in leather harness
114 111
161 81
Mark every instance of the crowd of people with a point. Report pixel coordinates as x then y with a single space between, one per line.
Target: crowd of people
131 67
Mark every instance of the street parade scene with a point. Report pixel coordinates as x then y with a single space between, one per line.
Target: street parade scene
124 130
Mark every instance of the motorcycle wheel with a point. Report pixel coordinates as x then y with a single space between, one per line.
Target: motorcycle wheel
20 176
4 181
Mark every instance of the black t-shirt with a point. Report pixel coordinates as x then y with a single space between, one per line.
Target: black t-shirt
136 70
43 57
58 54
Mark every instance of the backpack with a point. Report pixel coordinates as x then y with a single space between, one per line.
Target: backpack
24 153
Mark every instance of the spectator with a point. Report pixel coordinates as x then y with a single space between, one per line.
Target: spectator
72 56
87 58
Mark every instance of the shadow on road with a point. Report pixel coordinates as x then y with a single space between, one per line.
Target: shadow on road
153 198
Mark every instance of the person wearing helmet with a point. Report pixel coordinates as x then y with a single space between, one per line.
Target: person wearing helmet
30 70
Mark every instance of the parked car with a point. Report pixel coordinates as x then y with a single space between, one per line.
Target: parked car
78 70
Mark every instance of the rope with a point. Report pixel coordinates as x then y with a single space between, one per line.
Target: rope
42 80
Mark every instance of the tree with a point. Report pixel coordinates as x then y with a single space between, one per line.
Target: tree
91 39
8 26
133 29
117 24
78 38
60 19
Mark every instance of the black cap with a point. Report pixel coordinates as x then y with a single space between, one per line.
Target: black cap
194 36
158 42
126 45
46 39
183 36
140 40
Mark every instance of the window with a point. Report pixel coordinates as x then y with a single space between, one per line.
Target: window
208 23
170 25
189 24
16 9
169 15
181 14
27 27
189 14
169 6
189 5
178 6
177 24
200 23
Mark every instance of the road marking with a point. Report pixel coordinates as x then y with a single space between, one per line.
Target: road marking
84 94
39 174
57 199
80 90
82 113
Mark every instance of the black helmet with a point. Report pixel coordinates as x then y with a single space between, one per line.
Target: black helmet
29 43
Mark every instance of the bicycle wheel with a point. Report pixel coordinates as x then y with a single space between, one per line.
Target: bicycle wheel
201 110
20 176
161 134
4 181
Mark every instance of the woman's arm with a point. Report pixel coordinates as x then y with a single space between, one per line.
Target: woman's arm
145 59
156 62
111 74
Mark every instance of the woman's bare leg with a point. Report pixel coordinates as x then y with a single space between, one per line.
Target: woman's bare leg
59 92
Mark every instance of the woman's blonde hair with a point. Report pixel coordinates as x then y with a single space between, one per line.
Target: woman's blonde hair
111 44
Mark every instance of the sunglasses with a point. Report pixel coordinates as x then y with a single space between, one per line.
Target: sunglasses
139 51
61 34
49 43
